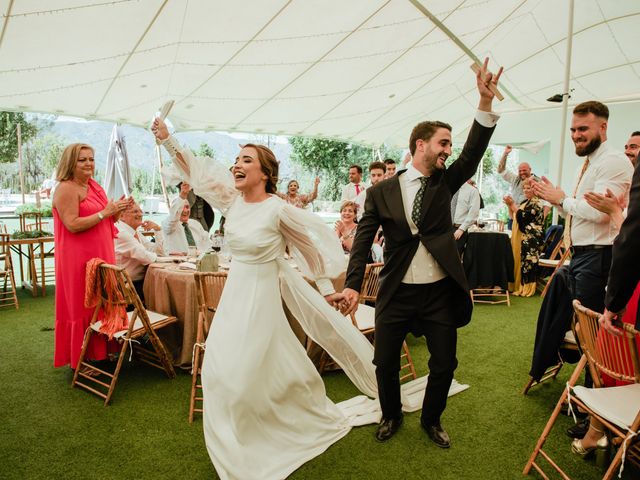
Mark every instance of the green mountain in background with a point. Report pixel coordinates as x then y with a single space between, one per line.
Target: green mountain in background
141 145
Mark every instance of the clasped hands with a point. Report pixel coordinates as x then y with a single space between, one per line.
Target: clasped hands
345 302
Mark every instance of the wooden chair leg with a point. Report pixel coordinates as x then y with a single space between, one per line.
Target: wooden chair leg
323 362
547 429
116 373
85 345
528 386
614 466
163 354
195 372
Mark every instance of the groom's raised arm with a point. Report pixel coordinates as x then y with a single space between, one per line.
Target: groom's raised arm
481 130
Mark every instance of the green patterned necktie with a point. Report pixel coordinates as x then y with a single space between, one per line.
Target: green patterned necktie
187 231
416 210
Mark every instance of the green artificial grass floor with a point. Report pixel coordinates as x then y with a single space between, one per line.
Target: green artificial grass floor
50 431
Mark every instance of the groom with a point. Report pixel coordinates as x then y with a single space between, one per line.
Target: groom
423 289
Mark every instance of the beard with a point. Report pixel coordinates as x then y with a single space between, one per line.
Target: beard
434 163
590 147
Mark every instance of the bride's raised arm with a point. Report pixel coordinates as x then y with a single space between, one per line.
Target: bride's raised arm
209 179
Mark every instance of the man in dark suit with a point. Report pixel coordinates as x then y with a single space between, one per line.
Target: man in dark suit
624 273
423 288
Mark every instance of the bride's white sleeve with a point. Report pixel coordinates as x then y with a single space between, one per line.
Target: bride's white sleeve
209 178
314 246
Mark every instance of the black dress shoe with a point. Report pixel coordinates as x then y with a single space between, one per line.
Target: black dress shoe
579 430
438 435
388 427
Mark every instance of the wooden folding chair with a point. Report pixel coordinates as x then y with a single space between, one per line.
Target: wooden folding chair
618 408
569 343
141 323
8 295
490 295
46 274
371 283
555 264
209 286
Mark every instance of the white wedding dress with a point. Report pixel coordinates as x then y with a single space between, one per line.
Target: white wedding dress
265 407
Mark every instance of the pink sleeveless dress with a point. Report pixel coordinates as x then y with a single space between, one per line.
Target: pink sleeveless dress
72 252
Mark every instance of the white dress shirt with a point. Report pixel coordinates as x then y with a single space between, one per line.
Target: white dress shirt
349 191
467 207
424 268
134 254
608 168
175 238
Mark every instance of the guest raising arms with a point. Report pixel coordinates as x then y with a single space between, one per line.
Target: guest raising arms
293 197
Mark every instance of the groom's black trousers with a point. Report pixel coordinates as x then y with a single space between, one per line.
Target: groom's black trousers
424 310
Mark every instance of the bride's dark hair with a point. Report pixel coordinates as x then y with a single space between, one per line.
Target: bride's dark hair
269 165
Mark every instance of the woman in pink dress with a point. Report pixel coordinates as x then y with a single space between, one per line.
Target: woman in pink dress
83 229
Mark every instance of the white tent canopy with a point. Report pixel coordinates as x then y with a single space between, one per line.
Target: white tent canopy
362 70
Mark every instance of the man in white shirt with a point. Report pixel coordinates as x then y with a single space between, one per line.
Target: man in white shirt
465 209
352 189
516 181
134 251
589 232
182 232
377 172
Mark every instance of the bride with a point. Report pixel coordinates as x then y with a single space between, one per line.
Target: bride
265 407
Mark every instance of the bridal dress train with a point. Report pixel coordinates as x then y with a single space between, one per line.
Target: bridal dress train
266 411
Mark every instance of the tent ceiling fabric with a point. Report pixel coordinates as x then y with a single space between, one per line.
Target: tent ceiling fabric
362 70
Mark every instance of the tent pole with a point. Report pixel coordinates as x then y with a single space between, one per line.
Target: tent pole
19 132
162 183
153 180
565 100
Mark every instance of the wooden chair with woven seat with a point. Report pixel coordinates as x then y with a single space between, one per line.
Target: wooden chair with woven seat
617 408
115 289
371 283
8 294
209 286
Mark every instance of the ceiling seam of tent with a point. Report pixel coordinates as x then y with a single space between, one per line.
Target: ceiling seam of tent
615 39
68 9
455 39
237 52
411 95
131 53
208 64
83 84
6 21
361 87
297 77
175 56
575 33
